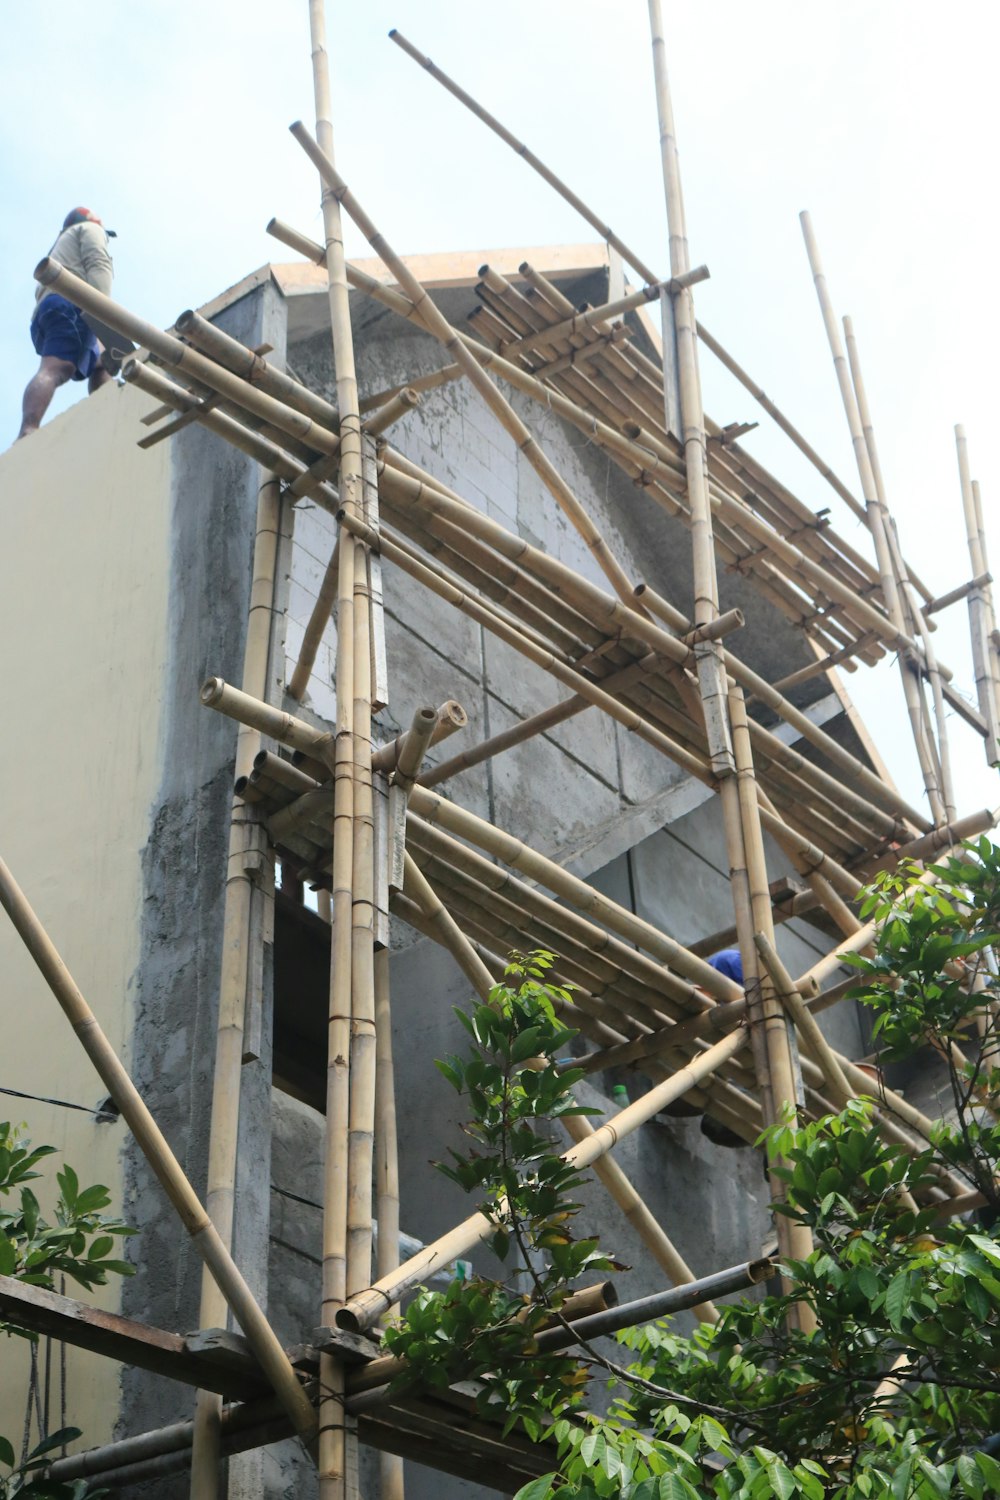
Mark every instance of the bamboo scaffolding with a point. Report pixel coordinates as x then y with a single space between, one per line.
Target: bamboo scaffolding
364 1309
266 453
626 450
594 940
165 1166
436 324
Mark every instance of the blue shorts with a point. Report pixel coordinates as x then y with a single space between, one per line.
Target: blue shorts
58 330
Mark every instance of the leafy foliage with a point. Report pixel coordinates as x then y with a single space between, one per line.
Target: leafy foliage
523 1185
896 1393
77 1243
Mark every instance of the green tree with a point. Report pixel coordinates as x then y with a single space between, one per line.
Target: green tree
78 1242
896 1395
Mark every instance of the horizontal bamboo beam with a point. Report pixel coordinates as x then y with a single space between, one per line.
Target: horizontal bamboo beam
954 595
659 1304
38 1310
362 1310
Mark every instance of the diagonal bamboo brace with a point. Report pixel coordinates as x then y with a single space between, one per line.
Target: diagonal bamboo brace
259 1333
362 1310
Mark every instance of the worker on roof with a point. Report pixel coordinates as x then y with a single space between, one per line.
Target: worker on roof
68 349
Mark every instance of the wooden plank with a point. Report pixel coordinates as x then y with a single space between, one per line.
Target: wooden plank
131 1343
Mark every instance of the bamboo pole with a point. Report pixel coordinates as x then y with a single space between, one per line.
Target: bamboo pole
708 658
397 406
653 1236
336 1440
363 1041
419 889
877 525
954 595
245 864
386 1177
165 1166
364 1309
437 325
903 579
980 608
449 719
254 368
604 230
775 1055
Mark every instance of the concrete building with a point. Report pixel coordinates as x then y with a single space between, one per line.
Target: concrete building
124 583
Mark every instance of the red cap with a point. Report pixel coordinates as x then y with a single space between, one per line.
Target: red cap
79 216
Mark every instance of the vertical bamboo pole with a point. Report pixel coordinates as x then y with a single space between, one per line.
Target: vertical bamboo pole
901 575
876 523
333 1456
711 673
992 639
386 1178
363 1044
980 610
247 853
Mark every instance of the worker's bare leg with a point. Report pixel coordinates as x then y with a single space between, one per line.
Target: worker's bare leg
98 377
52 373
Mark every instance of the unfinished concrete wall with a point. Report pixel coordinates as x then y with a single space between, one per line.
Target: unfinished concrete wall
84 606
212 512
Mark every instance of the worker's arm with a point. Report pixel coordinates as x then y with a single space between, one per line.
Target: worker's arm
98 269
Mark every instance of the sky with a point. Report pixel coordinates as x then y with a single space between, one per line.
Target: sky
170 121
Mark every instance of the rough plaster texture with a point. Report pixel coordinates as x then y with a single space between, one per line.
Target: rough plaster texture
214 492
83 606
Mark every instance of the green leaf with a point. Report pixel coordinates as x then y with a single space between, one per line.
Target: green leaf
6 1453
536 1489
55 1440
672 1487
8 1256
29 1212
971 1479
897 1299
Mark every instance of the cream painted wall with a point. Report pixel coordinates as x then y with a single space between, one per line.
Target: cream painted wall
84 578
